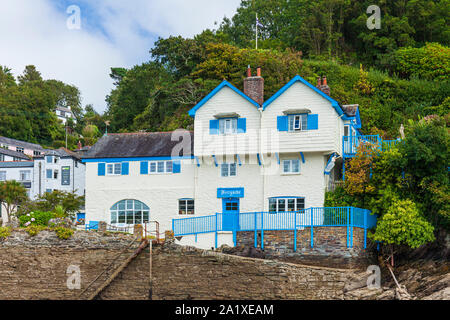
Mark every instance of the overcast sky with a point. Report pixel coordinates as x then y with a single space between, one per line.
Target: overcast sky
113 33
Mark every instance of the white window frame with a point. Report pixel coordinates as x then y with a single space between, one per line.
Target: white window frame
186 203
228 126
26 173
302 124
228 167
296 200
114 166
129 206
291 162
160 167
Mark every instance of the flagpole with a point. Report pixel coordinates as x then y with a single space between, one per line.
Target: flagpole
256 23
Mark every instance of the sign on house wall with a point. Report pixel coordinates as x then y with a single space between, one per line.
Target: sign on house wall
230 192
65 176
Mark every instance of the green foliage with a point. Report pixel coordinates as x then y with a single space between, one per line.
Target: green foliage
63 233
5 232
33 230
339 198
66 203
403 225
36 218
430 62
12 195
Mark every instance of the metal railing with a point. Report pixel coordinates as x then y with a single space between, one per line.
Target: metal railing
349 217
388 144
350 144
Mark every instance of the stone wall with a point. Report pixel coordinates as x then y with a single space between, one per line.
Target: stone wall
35 267
330 246
189 273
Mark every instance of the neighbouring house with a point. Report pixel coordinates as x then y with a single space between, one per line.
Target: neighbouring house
27 148
59 169
64 114
245 155
10 155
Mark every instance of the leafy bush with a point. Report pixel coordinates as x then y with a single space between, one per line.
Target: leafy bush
430 62
63 233
37 218
403 225
5 232
33 230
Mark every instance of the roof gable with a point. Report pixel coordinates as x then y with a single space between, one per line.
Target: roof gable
297 78
216 90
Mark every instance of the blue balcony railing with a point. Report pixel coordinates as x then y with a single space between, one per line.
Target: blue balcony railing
350 144
349 217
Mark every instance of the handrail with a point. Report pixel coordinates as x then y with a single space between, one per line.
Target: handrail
109 266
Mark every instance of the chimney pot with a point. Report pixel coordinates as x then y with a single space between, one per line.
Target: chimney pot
324 82
258 72
249 72
319 82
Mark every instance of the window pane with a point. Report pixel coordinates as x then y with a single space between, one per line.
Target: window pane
224 170
304 121
190 206
297 122
117 168
129 204
291 123
109 169
160 166
145 215
138 217
152 166
121 216
232 169
286 166
296 165
137 205
221 126
130 216
114 217
291 205
300 203
281 205
169 166
272 205
234 125
122 205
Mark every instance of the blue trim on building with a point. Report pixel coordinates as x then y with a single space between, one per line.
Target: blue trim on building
114 160
217 89
215 160
334 103
303 157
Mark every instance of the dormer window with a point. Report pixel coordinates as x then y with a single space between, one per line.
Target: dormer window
228 126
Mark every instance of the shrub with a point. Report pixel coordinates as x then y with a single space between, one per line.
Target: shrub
63 233
5 232
37 218
33 230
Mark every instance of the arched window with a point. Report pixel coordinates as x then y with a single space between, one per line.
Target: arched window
130 212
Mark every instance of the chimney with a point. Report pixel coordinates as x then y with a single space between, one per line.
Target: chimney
323 86
254 86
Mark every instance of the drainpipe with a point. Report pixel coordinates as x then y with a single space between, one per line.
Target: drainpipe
40 177
262 164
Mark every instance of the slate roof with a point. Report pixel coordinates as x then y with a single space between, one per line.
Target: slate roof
350 109
61 152
140 144
16 164
19 143
13 153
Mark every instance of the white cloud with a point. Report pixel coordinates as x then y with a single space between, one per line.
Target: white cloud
35 32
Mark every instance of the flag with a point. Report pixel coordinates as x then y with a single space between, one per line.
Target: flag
259 24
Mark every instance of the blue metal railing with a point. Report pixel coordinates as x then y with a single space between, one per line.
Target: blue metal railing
349 217
350 144
387 144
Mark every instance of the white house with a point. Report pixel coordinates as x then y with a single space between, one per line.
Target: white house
65 114
245 155
53 170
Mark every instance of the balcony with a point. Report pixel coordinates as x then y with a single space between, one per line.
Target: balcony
350 144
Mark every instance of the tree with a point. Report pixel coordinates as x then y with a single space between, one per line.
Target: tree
53 201
403 225
29 74
12 195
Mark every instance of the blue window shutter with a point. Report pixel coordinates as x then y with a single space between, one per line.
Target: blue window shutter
241 125
313 121
144 167
213 126
125 168
176 167
101 169
282 123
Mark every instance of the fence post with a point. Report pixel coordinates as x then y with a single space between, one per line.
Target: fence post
295 231
312 232
351 226
348 226
256 232
365 229
215 236
262 230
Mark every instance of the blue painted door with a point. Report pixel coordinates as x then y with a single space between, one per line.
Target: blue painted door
230 213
